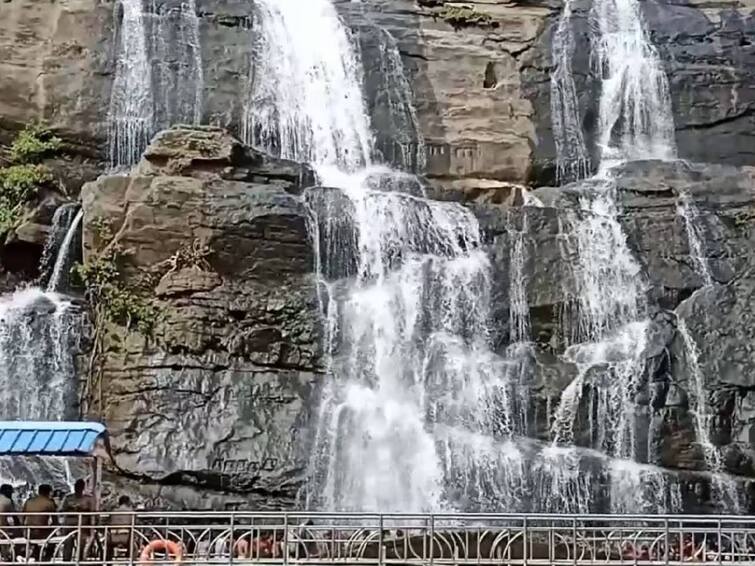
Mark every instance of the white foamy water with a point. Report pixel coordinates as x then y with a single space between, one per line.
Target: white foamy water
39 333
635 115
725 489
306 98
158 74
131 114
63 262
687 209
572 157
417 402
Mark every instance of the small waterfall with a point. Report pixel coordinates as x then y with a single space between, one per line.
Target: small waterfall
61 225
132 105
158 75
635 117
65 258
724 488
690 213
39 335
395 110
572 158
306 103
179 76
638 488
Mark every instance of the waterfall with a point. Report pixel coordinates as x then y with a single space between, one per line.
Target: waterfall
415 390
158 75
724 489
635 116
634 122
61 224
572 158
39 335
64 262
397 115
306 99
687 210
178 69
131 113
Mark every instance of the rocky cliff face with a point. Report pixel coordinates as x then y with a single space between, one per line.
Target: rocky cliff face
214 406
481 91
216 397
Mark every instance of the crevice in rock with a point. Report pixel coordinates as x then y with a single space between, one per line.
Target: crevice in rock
490 80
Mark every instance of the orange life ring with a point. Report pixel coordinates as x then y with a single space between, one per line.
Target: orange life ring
146 558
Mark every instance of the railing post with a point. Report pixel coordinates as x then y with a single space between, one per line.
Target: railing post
432 539
525 541
667 544
131 540
285 538
380 542
79 549
231 548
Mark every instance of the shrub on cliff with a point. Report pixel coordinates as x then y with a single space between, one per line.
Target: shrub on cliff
33 143
18 184
463 16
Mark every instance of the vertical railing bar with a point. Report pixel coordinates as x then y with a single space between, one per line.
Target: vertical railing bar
78 540
574 540
232 541
525 542
285 538
666 543
720 541
432 539
131 540
380 541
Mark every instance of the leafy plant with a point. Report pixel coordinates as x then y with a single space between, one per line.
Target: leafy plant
18 183
112 300
33 143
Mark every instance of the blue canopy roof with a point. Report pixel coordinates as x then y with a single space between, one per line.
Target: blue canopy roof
22 438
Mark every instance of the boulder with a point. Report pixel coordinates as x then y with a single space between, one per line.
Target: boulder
219 396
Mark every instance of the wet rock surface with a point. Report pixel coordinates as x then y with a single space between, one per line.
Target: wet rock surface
220 396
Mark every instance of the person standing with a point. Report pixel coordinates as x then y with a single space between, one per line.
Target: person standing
74 504
38 526
8 520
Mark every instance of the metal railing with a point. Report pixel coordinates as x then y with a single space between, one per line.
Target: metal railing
195 538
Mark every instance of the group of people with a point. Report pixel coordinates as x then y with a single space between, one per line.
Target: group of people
40 516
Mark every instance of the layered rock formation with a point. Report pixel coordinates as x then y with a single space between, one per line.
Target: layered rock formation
481 91
216 396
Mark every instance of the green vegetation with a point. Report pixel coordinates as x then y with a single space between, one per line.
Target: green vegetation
23 177
33 143
111 299
464 16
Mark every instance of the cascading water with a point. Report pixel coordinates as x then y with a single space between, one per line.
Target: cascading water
634 122
65 259
158 74
724 489
178 69
572 158
416 392
635 117
687 210
131 113
61 225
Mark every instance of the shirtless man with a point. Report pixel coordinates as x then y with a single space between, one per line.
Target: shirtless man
39 526
76 502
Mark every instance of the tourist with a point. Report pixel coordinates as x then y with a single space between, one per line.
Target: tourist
8 520
39 525
74 504
121 535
